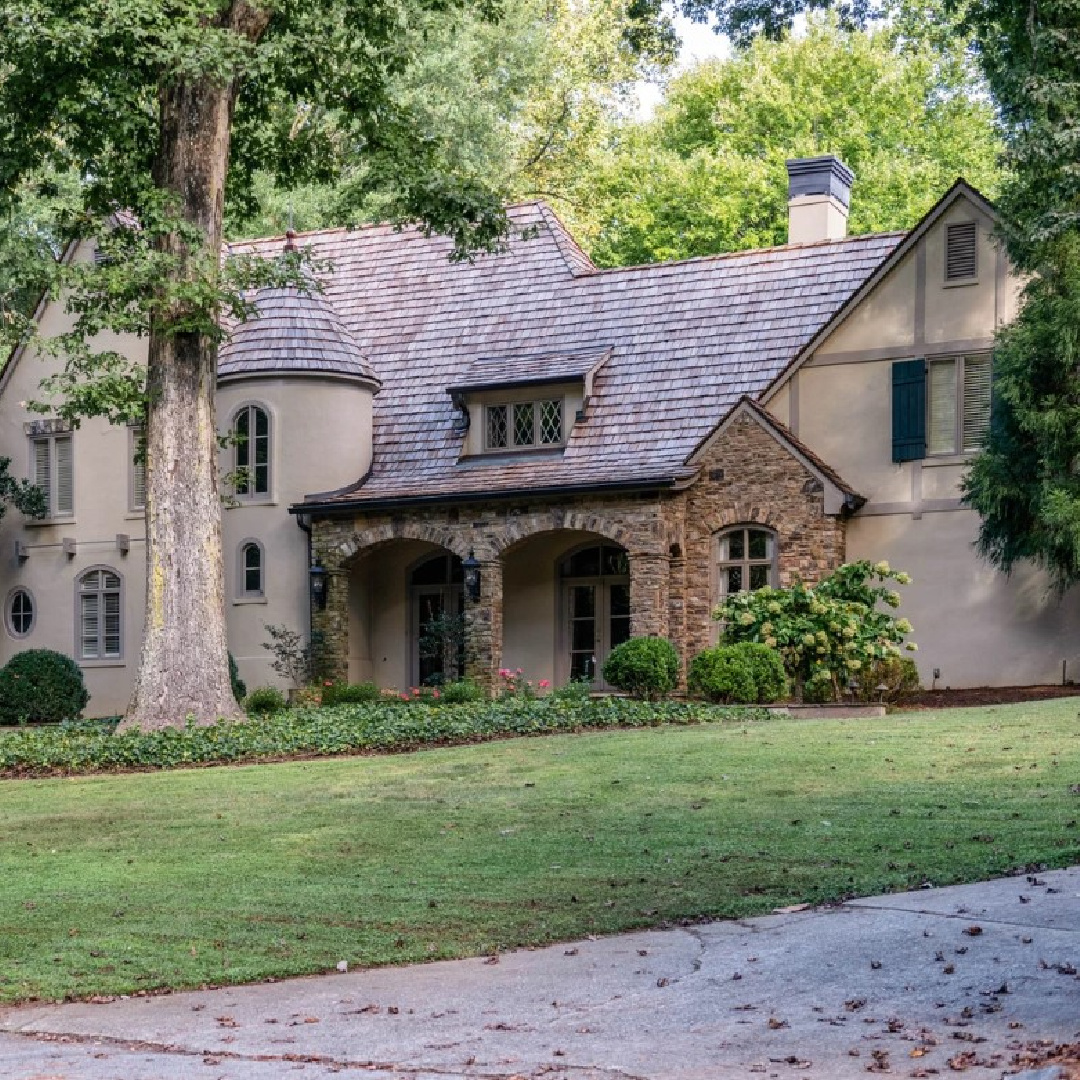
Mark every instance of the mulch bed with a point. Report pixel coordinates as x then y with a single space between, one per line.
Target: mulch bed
985 695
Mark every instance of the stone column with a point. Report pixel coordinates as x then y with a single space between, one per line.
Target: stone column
330 627
649 576
484 626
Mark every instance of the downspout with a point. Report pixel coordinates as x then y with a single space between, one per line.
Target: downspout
304 521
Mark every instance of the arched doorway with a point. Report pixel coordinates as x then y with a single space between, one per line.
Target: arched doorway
595 592
437 620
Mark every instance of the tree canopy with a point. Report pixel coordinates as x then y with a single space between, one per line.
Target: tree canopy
706 173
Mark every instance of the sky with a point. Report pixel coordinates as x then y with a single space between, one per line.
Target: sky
698 43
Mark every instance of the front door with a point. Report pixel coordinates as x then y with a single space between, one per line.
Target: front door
597 609
437 606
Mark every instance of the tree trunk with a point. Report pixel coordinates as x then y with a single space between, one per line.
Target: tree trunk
183 668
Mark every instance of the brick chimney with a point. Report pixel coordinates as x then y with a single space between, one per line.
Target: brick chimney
819 191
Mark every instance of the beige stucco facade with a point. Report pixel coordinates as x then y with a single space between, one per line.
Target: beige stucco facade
973 625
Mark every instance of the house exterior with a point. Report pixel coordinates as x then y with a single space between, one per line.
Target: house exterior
566 456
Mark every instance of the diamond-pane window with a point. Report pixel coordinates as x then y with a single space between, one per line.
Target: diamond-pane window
551 422
524 426
496 427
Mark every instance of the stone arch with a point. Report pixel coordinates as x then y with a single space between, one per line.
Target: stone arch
363 540
520 529
739 514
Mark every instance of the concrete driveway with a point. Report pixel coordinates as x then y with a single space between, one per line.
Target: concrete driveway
939 982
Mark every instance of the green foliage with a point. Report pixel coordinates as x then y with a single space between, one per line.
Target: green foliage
826 633
264 700
645 667
347 729
574 690
239 689
40 686
293 658
898 675
462 692
748 673
707 173
350 693
1025 485
443 639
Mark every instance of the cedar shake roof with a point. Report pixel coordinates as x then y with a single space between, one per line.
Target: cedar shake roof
487 372
688 339
293 332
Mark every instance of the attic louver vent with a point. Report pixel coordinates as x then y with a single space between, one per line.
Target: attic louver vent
960 251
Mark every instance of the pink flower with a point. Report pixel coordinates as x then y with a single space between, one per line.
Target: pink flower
404 697
544 684
434 693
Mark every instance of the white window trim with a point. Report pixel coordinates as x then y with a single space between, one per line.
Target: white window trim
116 660
720 565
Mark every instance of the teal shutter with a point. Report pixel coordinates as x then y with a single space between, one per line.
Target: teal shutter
908 410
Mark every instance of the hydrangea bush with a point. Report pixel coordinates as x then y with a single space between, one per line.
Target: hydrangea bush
828 633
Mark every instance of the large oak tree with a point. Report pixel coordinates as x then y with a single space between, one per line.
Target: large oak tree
158 106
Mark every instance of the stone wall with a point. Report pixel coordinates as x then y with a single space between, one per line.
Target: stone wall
746 477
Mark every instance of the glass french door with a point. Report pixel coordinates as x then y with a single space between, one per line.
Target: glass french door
597 611
437 602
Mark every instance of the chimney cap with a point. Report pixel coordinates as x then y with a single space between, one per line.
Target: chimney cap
825 175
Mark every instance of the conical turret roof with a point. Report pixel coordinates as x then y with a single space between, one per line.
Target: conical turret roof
293 332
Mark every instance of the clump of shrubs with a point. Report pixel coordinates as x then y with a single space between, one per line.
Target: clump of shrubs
40 686
748 673
646 668
264 700
889 680
350 693
462 692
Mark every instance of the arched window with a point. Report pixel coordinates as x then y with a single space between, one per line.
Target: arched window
251 461
745 560
250 576
20 613
100 614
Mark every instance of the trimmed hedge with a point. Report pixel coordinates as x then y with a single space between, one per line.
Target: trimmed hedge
645 667
41 686
747 673
347 729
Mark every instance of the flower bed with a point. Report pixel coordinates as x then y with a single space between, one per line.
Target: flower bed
346 729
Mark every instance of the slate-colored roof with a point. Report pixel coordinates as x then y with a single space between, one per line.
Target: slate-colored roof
293 332
533 370
687 340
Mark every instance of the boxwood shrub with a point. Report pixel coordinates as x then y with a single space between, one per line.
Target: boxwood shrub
40 686
748 673
346 729
645 667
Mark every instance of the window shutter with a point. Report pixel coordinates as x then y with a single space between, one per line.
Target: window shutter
978 385
89 626
961 250
941 388
65 476
43 469
908 410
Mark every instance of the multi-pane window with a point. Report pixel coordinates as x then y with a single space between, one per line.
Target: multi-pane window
251 433
251 569
957 403
20 613
746 560
99 615
52 468
523 424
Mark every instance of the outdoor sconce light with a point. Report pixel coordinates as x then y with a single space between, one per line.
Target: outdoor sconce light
319 585
471 566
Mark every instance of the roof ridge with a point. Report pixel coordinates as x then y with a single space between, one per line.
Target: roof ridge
575 257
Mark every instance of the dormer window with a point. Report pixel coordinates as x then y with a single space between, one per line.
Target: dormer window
523 425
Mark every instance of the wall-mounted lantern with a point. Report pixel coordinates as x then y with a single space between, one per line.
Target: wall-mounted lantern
319 586
471 566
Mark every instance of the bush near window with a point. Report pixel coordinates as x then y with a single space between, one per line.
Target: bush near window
383 727
40 686
827 634
350 693
265 699
748 673
645 667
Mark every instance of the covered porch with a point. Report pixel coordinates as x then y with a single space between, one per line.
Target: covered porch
552 601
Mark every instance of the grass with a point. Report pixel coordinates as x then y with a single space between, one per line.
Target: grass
116 884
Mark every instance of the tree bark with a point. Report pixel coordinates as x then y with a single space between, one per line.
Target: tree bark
183 669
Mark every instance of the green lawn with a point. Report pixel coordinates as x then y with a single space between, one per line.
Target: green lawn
119 883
